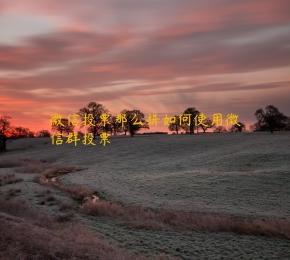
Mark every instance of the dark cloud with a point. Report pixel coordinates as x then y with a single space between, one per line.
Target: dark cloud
54 48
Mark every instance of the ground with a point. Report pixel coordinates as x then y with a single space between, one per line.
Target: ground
240 175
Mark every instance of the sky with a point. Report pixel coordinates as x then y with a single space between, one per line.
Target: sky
159 56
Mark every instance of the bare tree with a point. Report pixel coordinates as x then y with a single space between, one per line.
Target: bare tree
4 131
207 124
175 126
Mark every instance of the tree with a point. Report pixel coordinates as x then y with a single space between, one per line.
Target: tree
240 127
116 127
270 119
21 132
63 127
43 133
220 129
175 126
193 113
4 132
287 128
207 124
135 121
96 110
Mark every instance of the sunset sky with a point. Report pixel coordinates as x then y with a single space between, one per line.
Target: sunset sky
159 56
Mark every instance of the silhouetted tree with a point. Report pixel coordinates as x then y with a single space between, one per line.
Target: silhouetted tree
287 128
21 132
108 127
220 129
43 133
135 121
240 127
80 134
116 127
193 113
64 128
207 125
96 110
175 126
4 131
270 119
125 126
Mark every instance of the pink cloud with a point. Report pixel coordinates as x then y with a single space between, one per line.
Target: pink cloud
97 44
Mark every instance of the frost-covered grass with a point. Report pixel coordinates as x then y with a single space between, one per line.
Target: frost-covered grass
245 175
241 174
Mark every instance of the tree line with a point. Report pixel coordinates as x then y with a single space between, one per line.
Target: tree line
114 127
268 119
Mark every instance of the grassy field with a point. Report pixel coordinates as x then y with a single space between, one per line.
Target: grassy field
204 196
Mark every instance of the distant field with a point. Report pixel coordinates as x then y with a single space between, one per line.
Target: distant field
238 174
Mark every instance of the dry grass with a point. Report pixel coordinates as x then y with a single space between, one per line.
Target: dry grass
77 192
9 179
145 218
6 163
31 167
140 217
26 234
11 193
56 171
19 208
44 168
24 165
66 217
48 172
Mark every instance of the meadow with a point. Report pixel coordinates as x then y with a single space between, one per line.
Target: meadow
159 196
